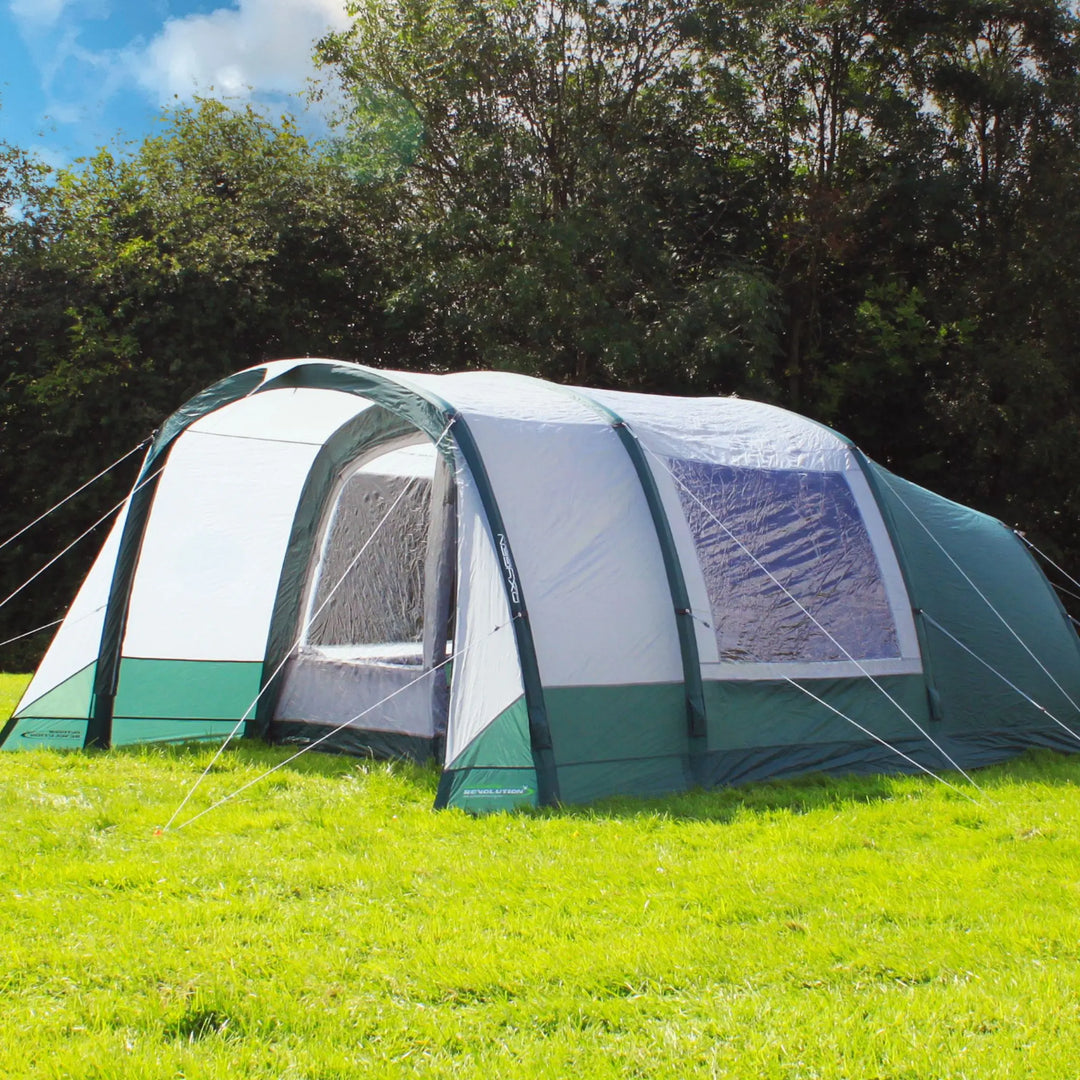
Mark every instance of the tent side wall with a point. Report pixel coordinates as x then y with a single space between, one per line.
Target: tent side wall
603 619
994 632
589 559
774 524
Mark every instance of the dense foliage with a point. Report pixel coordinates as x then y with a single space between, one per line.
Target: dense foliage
132 282
864 211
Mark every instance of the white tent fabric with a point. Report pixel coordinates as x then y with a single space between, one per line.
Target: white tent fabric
206 577
205 584
75 646
754 435
487 676
295 415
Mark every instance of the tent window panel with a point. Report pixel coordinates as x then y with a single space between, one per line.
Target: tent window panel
379 598
805 528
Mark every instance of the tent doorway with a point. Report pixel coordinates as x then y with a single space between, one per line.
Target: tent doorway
376 624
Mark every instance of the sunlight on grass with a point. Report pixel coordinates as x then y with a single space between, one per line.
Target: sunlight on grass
11 689
326 923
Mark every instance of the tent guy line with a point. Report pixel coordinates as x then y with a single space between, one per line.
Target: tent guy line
82 536
888 746
1066 592
333 731
982 596
1008 682
71 495
1043 555
31 633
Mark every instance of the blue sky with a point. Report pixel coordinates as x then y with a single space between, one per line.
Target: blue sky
79 74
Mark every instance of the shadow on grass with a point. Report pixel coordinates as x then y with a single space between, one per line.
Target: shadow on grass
248 754
797 795
822 791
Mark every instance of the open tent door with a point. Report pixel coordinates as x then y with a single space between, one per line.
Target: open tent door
374 635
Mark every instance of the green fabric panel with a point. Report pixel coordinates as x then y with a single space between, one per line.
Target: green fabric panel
770 729
503 743
186 689
774 713
612 740
970 696
588 782
128 731
495 771
598 723
633 739
485 791
36 733
72 698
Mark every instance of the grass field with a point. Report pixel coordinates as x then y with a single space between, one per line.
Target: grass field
327 924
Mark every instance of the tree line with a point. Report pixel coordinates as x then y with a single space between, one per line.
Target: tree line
864 211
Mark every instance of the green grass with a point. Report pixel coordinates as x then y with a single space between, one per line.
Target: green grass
11 688
327 924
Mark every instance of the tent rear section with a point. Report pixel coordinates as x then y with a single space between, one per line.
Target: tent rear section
1002 657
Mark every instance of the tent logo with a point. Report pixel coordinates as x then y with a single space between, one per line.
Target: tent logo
511 573
57 733
496 792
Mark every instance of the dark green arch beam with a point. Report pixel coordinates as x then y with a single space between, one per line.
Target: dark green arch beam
680 597
99 727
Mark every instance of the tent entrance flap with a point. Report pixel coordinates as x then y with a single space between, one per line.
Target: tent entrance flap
374 634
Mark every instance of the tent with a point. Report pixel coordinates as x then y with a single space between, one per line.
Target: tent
558 593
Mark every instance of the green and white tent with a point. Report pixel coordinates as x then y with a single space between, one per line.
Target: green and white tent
559 593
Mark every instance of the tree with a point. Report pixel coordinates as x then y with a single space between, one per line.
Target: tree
134 280
551 217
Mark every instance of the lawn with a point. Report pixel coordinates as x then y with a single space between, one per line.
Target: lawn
327 924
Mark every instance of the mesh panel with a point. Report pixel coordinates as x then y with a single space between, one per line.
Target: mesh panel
381 599
805 528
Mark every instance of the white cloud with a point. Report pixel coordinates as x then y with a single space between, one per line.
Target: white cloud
36 15
261 47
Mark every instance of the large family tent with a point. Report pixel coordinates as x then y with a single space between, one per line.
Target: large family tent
559 593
